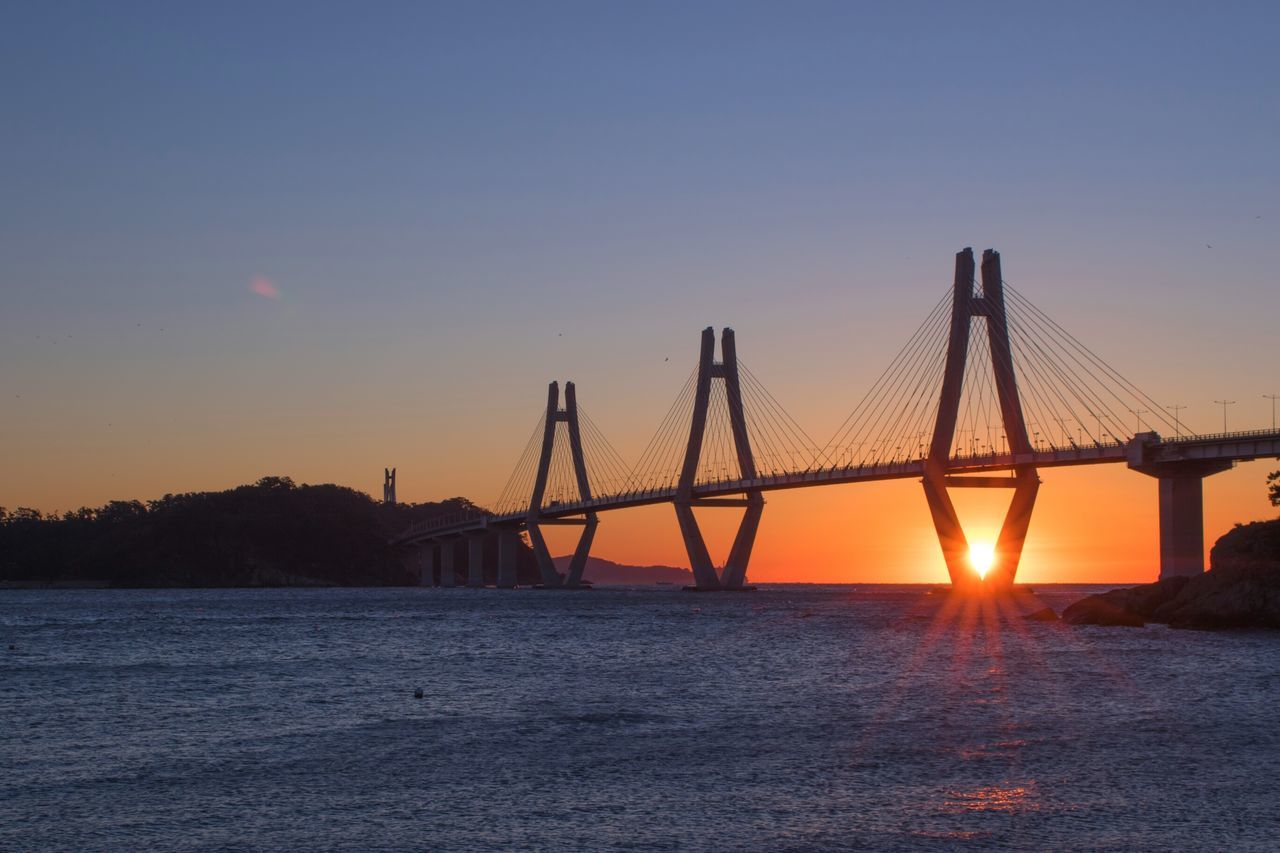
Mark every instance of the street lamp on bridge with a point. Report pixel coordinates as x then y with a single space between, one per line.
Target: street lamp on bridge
1224 404
1177 425
1139 413
1272 398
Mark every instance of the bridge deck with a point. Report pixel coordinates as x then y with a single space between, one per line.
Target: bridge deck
1237 446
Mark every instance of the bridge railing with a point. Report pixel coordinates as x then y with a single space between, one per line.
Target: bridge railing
439 522
1223 436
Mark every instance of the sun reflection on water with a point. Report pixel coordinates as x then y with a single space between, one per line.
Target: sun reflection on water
993 798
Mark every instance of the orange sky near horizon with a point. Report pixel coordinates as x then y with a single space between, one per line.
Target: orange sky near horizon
881 532
1093 523
154 433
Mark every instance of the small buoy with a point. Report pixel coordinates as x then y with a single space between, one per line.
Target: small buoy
12 647
697 610
417 694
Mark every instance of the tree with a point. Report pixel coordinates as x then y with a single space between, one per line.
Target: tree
1273 487
285 483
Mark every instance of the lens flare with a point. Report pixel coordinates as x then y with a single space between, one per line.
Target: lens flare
982 555
264 287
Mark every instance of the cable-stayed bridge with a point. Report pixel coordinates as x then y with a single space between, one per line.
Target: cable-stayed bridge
987 391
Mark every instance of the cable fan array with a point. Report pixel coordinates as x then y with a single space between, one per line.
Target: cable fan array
607 473
778 444
1070 398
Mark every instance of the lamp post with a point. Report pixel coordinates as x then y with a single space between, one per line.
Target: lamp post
1177 426
1224 404
1138 413
1272 398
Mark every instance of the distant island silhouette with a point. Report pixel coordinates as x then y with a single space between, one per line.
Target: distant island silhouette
269 534
601 571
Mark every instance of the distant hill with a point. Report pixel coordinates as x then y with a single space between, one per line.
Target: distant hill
608 572
271 533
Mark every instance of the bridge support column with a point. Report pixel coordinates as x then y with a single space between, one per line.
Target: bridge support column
965 306
705 576
578 565
551 576
1182 514
734 575
427 564
475 560
508 551
447 549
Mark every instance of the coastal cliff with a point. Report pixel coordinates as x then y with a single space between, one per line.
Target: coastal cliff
1240 590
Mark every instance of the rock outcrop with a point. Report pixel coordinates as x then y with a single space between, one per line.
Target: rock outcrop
1241 589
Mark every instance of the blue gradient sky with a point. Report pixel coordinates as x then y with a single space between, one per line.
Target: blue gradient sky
460 202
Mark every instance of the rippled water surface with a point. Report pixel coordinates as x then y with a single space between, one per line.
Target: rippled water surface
803 718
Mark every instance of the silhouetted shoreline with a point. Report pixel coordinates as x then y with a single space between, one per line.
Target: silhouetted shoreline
273 533
1240 590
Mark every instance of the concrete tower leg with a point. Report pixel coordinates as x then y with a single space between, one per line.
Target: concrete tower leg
507 558
447 549
735 570
578 564
475 560
551 576
1013 533
704 573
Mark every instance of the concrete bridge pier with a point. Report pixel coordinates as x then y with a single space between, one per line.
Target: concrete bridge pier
551 577
1182 513
508 573
427 564
475 559
447 549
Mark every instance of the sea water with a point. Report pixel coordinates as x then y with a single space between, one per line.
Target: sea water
792 718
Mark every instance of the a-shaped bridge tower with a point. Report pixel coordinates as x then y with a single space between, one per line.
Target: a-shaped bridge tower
734 574
966 306
534 521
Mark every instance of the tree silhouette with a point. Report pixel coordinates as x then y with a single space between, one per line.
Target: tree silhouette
271 533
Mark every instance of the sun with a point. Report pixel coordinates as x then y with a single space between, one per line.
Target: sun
983 556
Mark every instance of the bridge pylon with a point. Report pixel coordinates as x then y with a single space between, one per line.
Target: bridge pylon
734 574
534 521
966 306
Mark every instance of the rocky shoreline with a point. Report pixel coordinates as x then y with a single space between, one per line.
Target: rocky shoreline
1240 590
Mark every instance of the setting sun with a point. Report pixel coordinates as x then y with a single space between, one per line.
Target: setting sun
982 555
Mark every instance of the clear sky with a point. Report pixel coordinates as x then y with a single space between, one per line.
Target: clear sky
316 240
